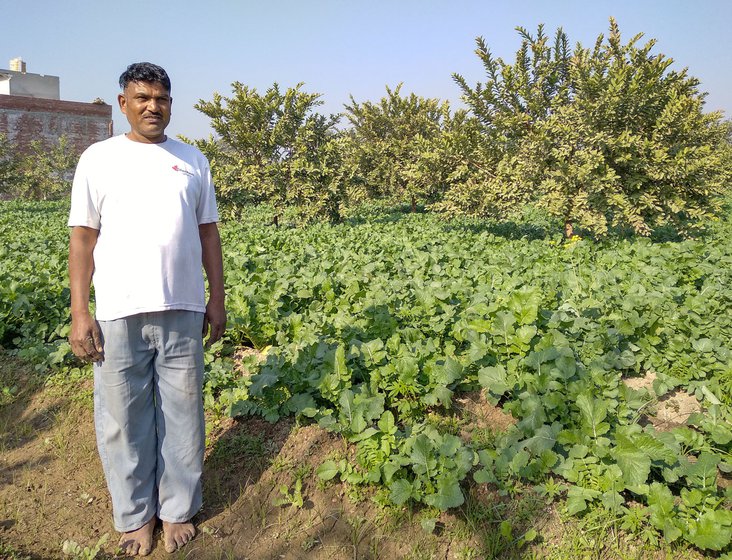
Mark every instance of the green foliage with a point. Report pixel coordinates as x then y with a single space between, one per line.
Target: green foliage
370 328
8 165
44 172
402 148
274 148
607 137
77 552
600 139
34 290
292 498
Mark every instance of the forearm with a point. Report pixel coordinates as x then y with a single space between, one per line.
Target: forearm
81 268
212 261
85 338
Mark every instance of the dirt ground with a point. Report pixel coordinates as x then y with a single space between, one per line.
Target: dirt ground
52 490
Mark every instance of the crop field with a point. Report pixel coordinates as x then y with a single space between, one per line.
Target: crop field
375 328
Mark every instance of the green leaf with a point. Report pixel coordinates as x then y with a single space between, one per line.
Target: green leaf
448 495
576 502
339 362
519 461
703 345
526 334
704 471
328 470
635 466
428 524
494 379
400 491
707 533
530 536
422 455
503 325
663 512
386 423
451 372
266 378
720 434
440 394
612 501
593 411
484 476
373 351
543 440
365 434
450 445
300 403
389 469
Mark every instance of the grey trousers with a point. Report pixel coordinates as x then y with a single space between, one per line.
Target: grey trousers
148 415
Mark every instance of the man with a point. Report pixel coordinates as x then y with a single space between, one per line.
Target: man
143 217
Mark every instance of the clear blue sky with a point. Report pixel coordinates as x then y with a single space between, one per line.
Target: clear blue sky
337 47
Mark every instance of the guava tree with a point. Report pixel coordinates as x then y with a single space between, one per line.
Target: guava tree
42 171
8 165
272 147
393 147
605 137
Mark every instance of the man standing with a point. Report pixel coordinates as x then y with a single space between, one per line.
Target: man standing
143 217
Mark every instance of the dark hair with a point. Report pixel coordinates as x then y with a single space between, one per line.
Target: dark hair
144 72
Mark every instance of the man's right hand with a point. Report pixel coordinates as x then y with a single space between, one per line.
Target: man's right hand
86 338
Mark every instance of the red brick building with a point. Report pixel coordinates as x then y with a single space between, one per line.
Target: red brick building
24 119
30 110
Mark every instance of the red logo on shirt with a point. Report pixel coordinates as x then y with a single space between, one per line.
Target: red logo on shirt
181 170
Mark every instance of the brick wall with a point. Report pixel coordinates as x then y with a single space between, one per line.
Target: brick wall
24 119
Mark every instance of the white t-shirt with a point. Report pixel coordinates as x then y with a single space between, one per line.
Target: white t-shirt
147 201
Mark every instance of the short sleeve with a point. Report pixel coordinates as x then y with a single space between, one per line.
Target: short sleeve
84 208
206 211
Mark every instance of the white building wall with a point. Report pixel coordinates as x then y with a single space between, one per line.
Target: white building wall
29 85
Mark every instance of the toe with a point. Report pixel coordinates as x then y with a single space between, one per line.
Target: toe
170 545
132 548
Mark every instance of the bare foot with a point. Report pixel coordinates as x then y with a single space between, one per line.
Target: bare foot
177 535
138 542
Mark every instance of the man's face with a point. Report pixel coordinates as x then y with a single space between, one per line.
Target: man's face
147 108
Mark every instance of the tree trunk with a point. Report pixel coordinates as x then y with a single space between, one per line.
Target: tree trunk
414 205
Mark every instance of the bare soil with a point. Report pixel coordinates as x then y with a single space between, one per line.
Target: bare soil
671 410
52 490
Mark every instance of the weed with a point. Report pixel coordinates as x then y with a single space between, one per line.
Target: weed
356 493
309 543
293 498
467 552
74 549
448 424
359 528
303 471
483 438
421 550
237 447
281 463
8 393
8 552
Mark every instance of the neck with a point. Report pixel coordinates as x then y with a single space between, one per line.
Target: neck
143 140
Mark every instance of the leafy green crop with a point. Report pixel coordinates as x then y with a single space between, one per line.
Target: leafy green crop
370 328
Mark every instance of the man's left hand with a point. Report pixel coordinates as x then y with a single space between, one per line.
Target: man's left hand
214 320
